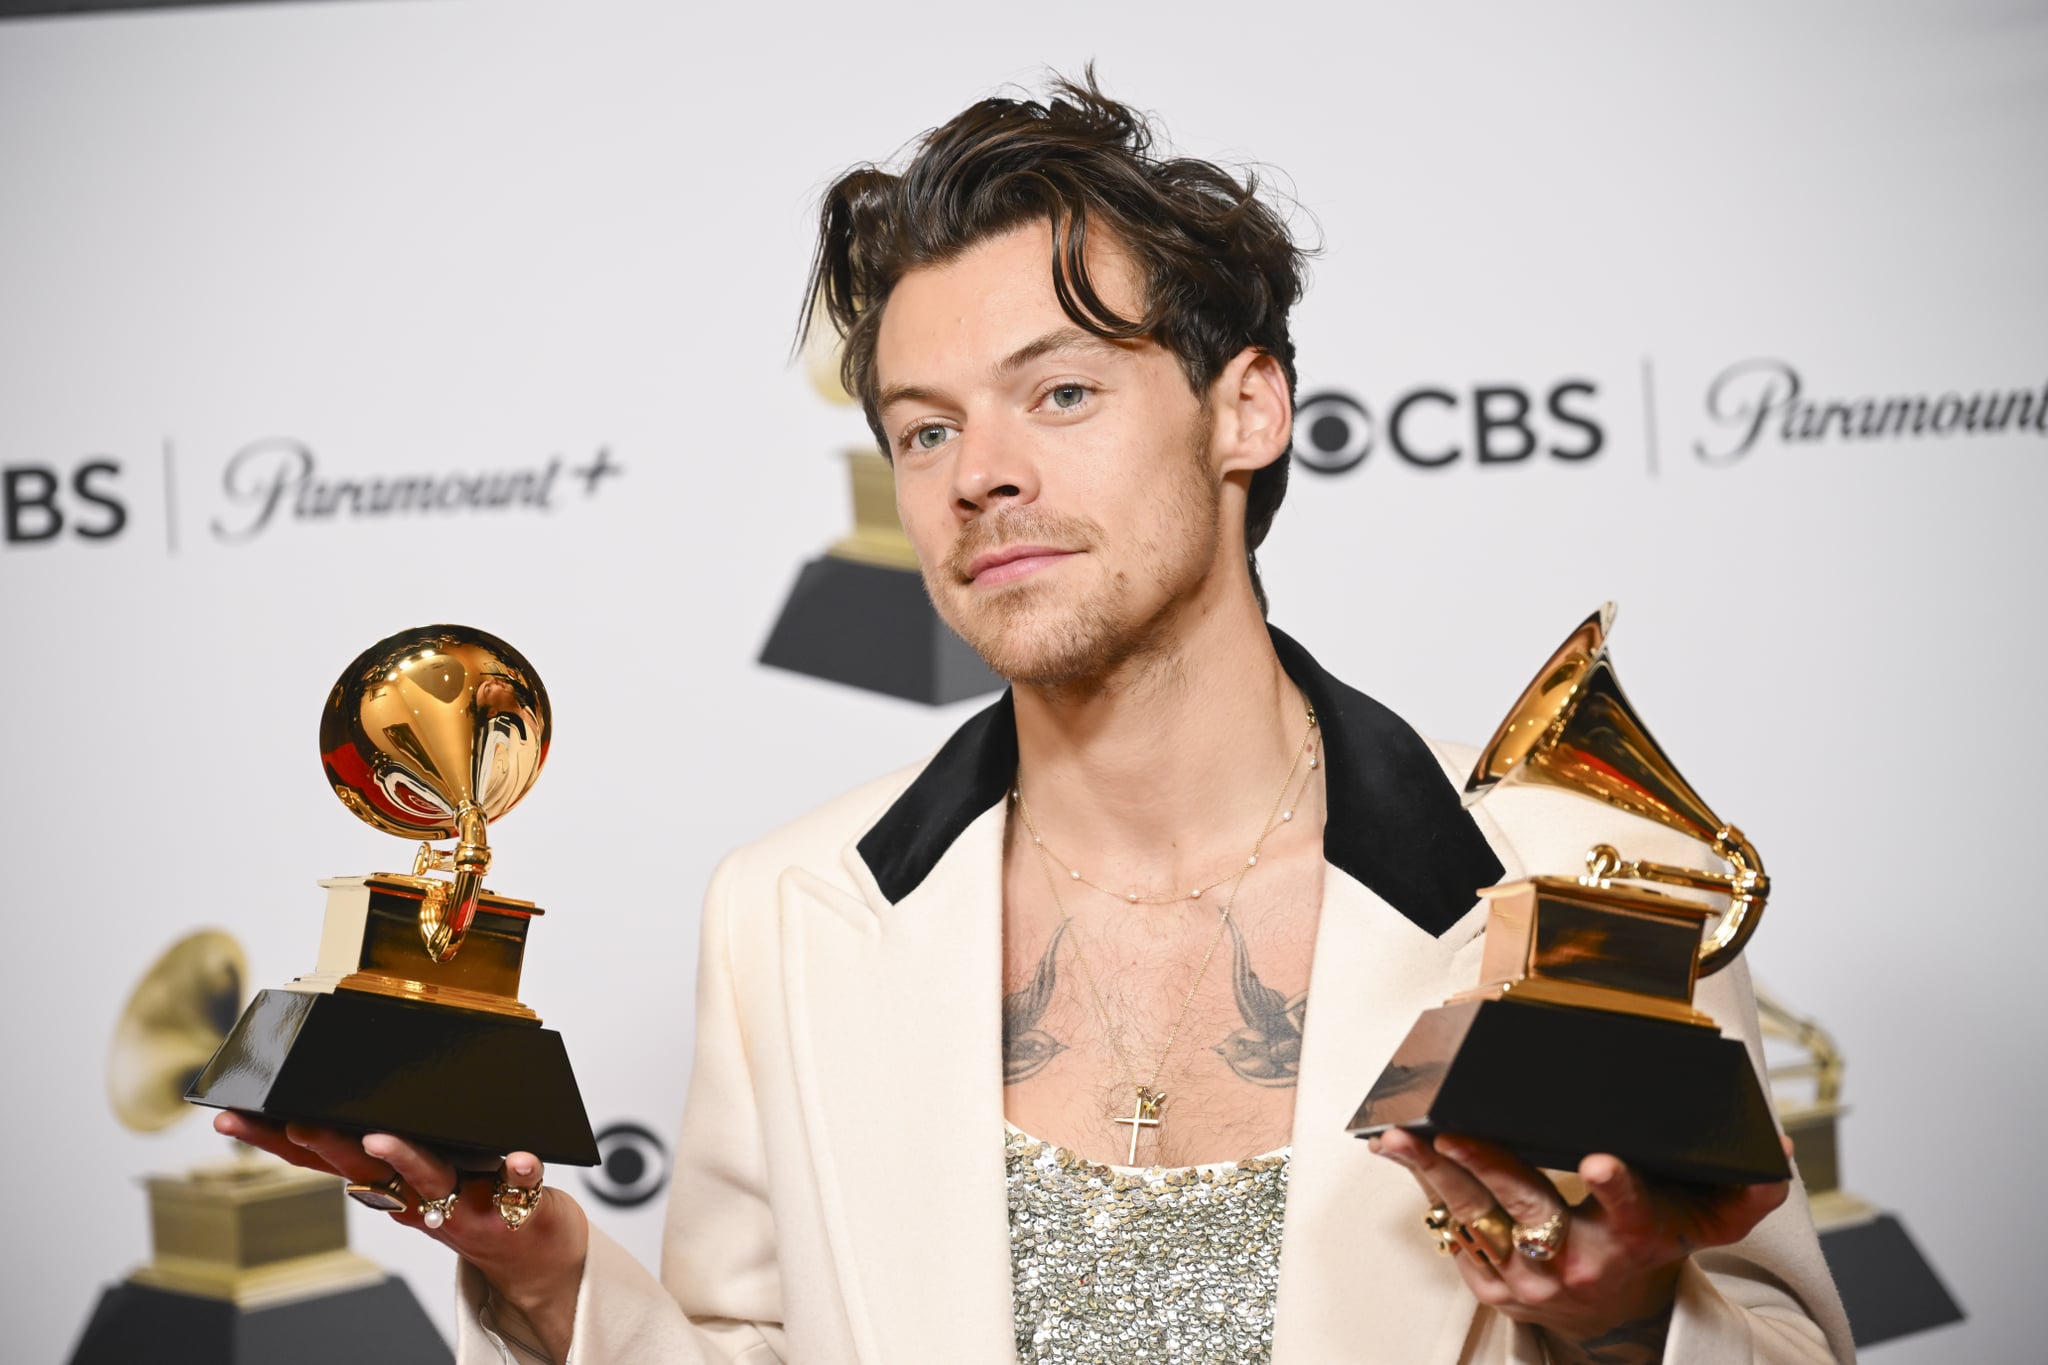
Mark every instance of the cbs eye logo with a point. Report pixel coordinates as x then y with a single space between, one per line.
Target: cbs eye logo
1332 432
1432 428
632 1166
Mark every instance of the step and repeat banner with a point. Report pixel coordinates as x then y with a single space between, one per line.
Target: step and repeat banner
320 321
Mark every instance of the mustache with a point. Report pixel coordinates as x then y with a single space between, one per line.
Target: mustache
1026 526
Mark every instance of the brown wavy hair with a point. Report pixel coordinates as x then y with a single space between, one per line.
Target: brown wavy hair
1220 266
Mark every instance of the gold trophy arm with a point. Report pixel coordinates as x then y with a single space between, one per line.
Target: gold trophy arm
1746 887
447 910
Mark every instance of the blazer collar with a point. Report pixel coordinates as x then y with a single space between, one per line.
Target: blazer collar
1396 823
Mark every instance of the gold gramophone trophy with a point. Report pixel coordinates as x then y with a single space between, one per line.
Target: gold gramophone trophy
1581 1036
249 1257
411 1022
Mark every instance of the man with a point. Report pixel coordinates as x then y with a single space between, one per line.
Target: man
1101 910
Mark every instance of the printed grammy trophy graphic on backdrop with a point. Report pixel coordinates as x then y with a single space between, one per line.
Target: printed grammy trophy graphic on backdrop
858 614
249 1257
1888 1287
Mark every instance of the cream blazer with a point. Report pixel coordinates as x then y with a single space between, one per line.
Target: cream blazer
839 1195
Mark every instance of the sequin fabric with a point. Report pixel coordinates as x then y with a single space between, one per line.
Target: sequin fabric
1116 1264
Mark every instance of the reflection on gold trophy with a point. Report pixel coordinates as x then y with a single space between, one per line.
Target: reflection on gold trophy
1581 1035
250 1258
411 1020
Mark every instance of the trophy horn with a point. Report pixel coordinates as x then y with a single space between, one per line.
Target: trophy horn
1573 728
432 734
175 1018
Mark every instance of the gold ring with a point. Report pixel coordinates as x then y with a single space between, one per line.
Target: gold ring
1445 1229
1494 1232
435 1212
516 1203
385 1198
1545 1240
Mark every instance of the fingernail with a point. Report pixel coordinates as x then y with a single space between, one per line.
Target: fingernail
522 1168
379 1146
1372 1144
1452 1148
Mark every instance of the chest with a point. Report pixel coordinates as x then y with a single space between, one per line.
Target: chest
1102 998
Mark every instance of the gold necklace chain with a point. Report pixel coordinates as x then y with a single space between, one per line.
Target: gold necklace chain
1147 1110
1286 814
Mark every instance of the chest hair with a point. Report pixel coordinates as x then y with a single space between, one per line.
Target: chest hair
1229 1075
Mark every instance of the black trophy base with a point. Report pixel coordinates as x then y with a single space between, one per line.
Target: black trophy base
472 1084
1556 1085
137 1323
1888 1288
873 627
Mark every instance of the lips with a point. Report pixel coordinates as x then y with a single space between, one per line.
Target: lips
1011 563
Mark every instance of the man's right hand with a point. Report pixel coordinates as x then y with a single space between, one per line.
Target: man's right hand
536 1268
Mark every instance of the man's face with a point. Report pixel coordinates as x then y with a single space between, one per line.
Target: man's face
1057 487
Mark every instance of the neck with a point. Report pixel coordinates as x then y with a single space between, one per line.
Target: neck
1170 762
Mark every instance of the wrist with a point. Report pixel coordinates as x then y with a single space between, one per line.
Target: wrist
1636 1337
542 1281
539 1312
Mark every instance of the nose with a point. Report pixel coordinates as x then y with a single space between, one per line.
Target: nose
994 468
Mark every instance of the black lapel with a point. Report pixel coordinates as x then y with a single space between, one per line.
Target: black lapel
971 773
1396 823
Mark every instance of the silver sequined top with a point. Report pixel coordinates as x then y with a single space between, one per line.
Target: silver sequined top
1117 1264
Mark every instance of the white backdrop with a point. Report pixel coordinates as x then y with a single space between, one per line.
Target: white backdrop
467 238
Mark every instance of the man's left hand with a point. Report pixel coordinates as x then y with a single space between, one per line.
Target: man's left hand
1606 1294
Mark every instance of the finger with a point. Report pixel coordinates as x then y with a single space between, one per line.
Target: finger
1521 1192
1526 1193
1728 1215
269 1137
427 1173
1467 1196
1450 1185
1404 1149
343 1153
1626 1205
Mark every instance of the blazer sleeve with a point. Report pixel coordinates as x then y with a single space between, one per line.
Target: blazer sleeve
718 1300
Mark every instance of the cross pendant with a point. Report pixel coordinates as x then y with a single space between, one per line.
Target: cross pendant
1144 1114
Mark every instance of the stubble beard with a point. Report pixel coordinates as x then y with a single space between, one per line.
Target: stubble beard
1041 634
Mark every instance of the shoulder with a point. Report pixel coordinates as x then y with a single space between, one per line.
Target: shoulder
819 842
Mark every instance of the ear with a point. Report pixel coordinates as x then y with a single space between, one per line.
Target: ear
1254 421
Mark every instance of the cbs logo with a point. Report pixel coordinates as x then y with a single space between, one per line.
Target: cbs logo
633 1166
1435 428
39 502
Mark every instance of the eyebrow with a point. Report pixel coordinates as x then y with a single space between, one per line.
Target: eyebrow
1058 340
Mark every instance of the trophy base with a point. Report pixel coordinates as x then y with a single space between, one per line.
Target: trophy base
873 627
475 1086
381 1322
1555 1085
1888 1288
